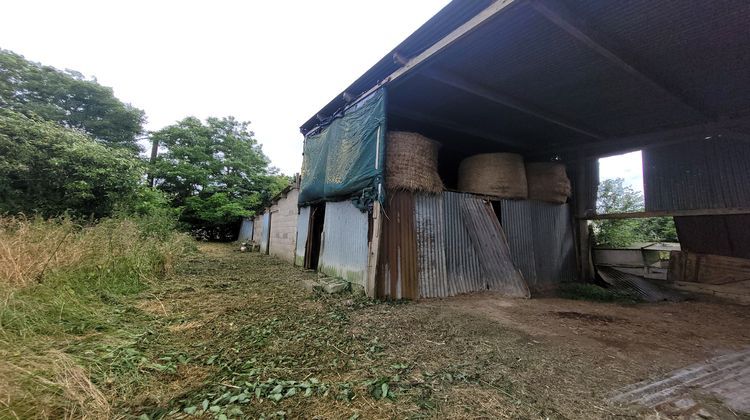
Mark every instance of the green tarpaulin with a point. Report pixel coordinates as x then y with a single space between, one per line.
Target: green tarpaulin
345 159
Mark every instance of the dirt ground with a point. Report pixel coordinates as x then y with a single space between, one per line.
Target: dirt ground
252 342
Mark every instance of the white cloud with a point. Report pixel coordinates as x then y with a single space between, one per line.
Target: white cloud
271 62
628 166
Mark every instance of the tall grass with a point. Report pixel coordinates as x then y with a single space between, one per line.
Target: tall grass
61 280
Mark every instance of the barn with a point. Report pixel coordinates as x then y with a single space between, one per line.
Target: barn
560 83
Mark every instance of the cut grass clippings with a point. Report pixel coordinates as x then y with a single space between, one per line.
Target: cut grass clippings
236 335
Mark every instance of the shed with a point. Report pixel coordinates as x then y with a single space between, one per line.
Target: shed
552 80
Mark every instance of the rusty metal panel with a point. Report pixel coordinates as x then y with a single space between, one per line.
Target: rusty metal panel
265 235
345 243
430 230
463 269
705 174
246 230
727 235
491 246
303 225
397 262
541 240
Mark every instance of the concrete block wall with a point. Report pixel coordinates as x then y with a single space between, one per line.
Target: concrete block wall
284 226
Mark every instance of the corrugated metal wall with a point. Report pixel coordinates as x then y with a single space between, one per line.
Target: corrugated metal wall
303 225
703 174
397 263
246 230
345 243
464 271
491 246
265 233
442 245
540 236
727 235
429 221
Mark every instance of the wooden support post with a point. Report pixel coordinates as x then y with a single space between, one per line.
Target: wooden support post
582 199
372 258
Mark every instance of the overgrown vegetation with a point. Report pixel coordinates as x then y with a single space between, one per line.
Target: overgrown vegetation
62 296
616 197
68 146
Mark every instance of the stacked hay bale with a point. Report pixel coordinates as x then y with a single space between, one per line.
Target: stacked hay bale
500 175
411 163
548 182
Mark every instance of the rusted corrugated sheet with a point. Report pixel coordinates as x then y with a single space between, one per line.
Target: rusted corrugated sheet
491 246
246 230
727 235
464 271
430 235
303 224
397 262
345 243
703 174
266 233
541 240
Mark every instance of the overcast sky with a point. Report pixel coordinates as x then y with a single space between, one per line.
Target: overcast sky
274 63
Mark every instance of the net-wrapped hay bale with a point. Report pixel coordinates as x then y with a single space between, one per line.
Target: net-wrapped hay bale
500 175
548 182
411 163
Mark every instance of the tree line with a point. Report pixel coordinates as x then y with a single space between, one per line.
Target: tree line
68 146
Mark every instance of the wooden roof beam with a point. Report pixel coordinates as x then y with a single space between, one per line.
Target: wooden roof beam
560 16
491 95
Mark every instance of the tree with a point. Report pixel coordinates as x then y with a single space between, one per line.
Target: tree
216 172
48 169
70 99
616 197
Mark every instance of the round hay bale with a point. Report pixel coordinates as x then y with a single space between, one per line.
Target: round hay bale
548 182
500 175
411 163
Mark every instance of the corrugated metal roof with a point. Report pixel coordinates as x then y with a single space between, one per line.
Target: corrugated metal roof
620 68
636 285
345 244
700 174
453 15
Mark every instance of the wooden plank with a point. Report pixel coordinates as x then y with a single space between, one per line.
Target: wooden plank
707 269
374 250
662 213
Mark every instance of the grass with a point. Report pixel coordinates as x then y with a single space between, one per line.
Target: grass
64 285
225 334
